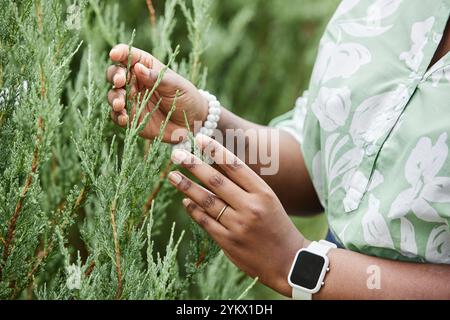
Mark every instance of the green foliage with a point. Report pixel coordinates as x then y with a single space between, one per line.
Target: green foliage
233 288
261 55
84 206
81 201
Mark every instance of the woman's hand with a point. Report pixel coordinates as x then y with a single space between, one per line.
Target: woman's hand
144 73
254 231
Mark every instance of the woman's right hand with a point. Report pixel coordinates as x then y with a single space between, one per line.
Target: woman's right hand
144 73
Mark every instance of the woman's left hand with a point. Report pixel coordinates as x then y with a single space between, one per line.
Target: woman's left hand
254 230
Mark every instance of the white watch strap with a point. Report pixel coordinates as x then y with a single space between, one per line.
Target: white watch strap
321 248
301 295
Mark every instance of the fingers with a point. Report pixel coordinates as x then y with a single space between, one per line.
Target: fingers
210 177
120 118
145 76
117 76
233 167
217 231
206 200
116 99
120 54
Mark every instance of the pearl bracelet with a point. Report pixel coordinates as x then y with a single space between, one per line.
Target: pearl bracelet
212 120
213 114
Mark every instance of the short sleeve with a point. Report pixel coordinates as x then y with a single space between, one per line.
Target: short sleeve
293 122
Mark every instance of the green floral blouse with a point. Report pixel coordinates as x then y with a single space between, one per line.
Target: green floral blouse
374 128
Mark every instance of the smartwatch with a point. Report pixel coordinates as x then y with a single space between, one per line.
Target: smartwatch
309 269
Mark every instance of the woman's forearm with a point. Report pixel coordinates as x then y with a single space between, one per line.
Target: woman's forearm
352 275
357 276
276 156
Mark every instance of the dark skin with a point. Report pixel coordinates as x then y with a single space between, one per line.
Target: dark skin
255 231
444 46
145 70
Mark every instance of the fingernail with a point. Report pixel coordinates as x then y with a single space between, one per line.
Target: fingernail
114 52
117 105
178 156
140 68
175 178
123 120
186 202
116 78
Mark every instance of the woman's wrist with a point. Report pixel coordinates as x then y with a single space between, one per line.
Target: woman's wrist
227 121
282 285
214 113
205 121
203 114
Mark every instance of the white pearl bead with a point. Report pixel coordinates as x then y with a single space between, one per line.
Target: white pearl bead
211 98
215 111
213 116
214 104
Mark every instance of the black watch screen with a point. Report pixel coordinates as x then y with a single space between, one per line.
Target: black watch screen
307 270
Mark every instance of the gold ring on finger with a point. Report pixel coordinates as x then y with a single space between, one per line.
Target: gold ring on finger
222 213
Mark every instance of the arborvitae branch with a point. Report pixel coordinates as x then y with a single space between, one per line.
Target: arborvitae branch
151 10
156 190
198 23
83 166
201 258
39 15
116 249
90 269
102 23
12 223
42 76
42 255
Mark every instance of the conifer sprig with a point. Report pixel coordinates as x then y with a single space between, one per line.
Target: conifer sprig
82 201
15 216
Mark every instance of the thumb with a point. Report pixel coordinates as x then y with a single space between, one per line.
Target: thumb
145 76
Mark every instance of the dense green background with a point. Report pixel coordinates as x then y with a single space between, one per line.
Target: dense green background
259 60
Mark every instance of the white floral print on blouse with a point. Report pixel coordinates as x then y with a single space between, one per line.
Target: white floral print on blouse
374 128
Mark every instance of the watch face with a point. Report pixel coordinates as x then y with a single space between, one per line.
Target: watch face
307 270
